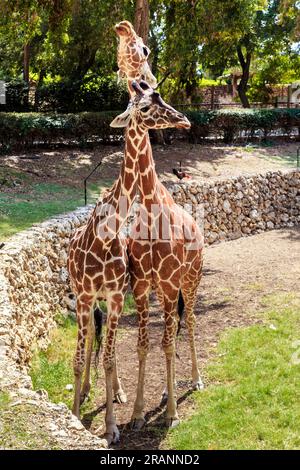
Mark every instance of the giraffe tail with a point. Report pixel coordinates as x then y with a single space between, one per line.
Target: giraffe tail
180 310
98 321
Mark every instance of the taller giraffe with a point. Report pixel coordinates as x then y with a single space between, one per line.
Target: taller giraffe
133 56
98 267
97 263
128 62
165 248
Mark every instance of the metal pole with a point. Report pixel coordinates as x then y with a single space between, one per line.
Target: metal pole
298 157
86 179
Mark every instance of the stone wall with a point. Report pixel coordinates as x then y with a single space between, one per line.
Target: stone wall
33 289
244 205
33 283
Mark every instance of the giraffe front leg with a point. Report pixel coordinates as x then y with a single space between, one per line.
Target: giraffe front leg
164 396
84 306
119 394
168 344
115 304
142 304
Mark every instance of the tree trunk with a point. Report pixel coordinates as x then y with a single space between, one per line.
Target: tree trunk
85 63
26 63
141 19
242 86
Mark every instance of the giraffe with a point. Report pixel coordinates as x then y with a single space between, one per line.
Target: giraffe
98 268
132 55
165 247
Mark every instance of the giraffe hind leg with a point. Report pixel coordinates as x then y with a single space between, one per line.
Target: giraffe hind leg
115 304
141 295
168 344
84 308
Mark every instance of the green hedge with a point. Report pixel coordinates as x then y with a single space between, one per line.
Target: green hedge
26 129
19 130
248 123
89 95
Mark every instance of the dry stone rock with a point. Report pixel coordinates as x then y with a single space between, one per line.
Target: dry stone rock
256 203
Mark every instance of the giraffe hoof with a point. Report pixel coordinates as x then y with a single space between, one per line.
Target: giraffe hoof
172 422
199 385
137 424
112 436
121 397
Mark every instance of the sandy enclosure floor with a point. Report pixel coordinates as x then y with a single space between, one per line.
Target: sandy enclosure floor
202 162
237 276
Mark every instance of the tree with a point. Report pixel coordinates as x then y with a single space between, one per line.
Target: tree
141 19
241 30
179 47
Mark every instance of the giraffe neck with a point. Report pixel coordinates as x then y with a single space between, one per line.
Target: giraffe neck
112 211
150 188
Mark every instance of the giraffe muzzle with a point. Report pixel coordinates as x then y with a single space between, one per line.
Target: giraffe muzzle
182 123
122 29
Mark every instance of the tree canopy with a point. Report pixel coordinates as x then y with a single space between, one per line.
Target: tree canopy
52 41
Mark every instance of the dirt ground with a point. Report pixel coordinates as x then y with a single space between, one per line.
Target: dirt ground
214 160
237 275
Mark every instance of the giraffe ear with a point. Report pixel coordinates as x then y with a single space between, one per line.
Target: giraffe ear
123 119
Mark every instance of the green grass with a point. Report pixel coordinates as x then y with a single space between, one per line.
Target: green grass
289 161
52 369
21 426
4 399
253 401
19 210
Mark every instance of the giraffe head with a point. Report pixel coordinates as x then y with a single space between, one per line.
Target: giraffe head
149 111
125 28
133 55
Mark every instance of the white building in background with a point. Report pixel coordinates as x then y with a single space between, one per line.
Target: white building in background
295 93
2 92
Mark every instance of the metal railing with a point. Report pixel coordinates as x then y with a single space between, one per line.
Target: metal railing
217 105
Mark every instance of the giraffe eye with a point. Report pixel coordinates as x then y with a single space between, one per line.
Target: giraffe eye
145 109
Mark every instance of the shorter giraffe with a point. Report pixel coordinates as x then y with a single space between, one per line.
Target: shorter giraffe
133 55
98 267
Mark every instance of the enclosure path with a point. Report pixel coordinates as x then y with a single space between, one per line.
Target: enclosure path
237 275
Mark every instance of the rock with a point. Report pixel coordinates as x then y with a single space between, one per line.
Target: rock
74 423
254 214
227 206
